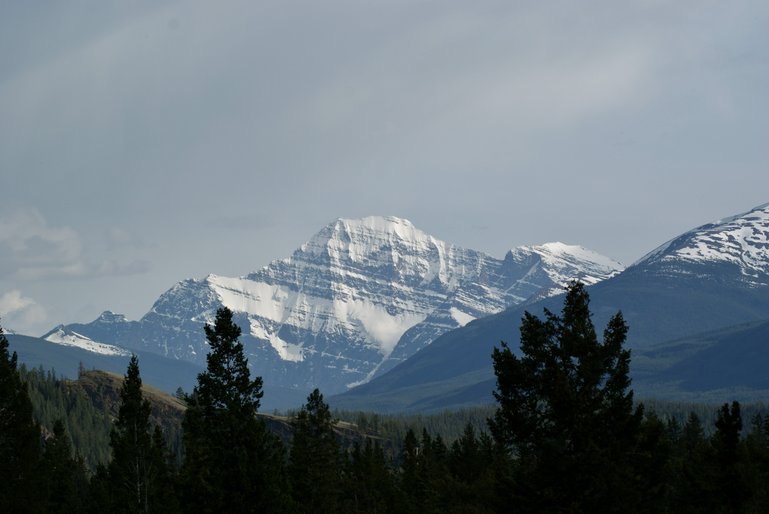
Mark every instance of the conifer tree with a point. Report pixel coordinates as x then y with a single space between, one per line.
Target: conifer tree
727 436
315 463
566 411
409 478
131 470
732 492
64 475
368 482
232 463
693 469
99 491
19 439
162 493
433 473
467 461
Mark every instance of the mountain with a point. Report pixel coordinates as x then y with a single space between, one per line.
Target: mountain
711 278
359 297
69 353
731 249
72 353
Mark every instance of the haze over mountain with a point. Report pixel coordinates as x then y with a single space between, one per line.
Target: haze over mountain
686 303
356 299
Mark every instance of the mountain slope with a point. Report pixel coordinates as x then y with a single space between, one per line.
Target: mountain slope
359 297
712 277
68 359
162 372
737 244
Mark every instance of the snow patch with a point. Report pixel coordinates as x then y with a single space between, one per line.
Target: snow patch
580 253
382 327
80 341
460 317
286 351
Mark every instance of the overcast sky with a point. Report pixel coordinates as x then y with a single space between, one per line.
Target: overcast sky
145 142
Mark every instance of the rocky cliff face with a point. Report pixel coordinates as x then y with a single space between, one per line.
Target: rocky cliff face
356 299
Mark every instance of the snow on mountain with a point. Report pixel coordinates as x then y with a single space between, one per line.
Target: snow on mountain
696 307
740 241
357 298
69 338
563 262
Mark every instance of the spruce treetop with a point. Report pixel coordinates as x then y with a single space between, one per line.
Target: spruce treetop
226 384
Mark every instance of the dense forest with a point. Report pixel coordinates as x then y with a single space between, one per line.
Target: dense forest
566 435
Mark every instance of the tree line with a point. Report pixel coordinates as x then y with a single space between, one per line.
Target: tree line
566 436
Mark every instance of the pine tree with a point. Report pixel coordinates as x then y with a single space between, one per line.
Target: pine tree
65 476
162 495
727 436
315 463
566 411
732 492
368 482
131 470
693 469
466 460
409 477
19 439
433 473
232 463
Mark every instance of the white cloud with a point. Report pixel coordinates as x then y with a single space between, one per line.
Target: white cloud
13 301
18 309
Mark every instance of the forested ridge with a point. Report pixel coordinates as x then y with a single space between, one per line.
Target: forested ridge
566 435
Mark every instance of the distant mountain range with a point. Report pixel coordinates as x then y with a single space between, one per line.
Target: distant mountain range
358 298
394 319
697 308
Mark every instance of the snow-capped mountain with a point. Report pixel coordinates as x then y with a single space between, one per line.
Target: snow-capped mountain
695 306
739 243
358 297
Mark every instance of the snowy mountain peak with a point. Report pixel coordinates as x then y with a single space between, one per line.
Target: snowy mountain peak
358 297
362 237
400 227
111 317
563 263
576 253
741 240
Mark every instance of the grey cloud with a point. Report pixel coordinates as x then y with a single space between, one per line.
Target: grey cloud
31 249
113 268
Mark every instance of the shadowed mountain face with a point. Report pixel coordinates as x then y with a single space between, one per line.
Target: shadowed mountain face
359 297
710 278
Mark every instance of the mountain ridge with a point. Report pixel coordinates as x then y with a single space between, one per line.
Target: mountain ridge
358 297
